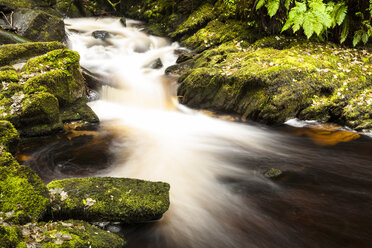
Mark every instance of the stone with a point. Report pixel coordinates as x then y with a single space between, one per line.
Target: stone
108 199
38 25
101 34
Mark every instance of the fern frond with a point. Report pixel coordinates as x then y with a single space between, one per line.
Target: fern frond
272 7
260 4
345 30
341 14
288 3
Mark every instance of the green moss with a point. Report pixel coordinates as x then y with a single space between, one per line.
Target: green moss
217 32
109 199
7 159
9 137
195 21
79 111
23 196
10 236
14 53
8 74
68 234
294 79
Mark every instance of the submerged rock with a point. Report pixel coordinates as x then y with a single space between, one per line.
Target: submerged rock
108 199
23 196
101 34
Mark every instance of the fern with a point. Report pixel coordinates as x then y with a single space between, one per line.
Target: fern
260 4
345 30
288 3
272 7
312 17
338 13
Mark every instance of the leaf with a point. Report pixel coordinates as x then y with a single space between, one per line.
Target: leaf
287 25
308 25
365 37
345 30
357 37
341 14
287 4
272 7
260 4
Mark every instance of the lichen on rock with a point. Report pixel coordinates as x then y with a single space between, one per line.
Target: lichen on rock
108 199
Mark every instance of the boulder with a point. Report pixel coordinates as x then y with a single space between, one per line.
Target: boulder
38 25
108 199
9 137
47 91
7 37
23 196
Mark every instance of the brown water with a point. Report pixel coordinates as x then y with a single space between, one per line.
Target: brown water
322 199
219 197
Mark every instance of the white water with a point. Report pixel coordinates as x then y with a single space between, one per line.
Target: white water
161 140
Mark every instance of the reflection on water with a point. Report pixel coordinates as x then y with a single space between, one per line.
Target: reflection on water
219 196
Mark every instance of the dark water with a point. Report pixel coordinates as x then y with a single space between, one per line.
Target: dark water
323 198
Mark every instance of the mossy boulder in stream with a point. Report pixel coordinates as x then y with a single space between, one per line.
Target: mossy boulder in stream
48 90
9 140
108 199
23 196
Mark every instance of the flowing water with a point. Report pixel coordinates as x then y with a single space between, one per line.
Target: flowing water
219 196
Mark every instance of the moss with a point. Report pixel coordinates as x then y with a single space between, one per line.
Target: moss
9 137
10 236
79 111
217 32
294 79
195 21
8 74
13 53
67 234
7 159
108 199
23 196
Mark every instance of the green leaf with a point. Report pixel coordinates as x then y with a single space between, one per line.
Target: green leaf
272 7
287 25
341 14
260 4
345 30
287 3
365 37
308 25
357 37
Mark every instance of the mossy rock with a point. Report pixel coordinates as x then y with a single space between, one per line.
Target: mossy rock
68 234
14 53
78 111
9 137
38 25
6 158
57 72
10 236
23 196
197 20
108 199
272 84
10 38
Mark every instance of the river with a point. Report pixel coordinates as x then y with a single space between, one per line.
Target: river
219 194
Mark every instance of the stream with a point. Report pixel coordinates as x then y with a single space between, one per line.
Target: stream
219 195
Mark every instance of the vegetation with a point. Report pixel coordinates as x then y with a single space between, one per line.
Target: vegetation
345 20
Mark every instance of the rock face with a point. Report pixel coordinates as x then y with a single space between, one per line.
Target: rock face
38 25
108 199
47 91
23 196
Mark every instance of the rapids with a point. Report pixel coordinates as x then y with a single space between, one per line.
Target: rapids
219 196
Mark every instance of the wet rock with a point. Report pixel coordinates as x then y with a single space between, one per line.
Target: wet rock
38 25
23 195
272 173
101 34
157 64
109 199
184 56
123 21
